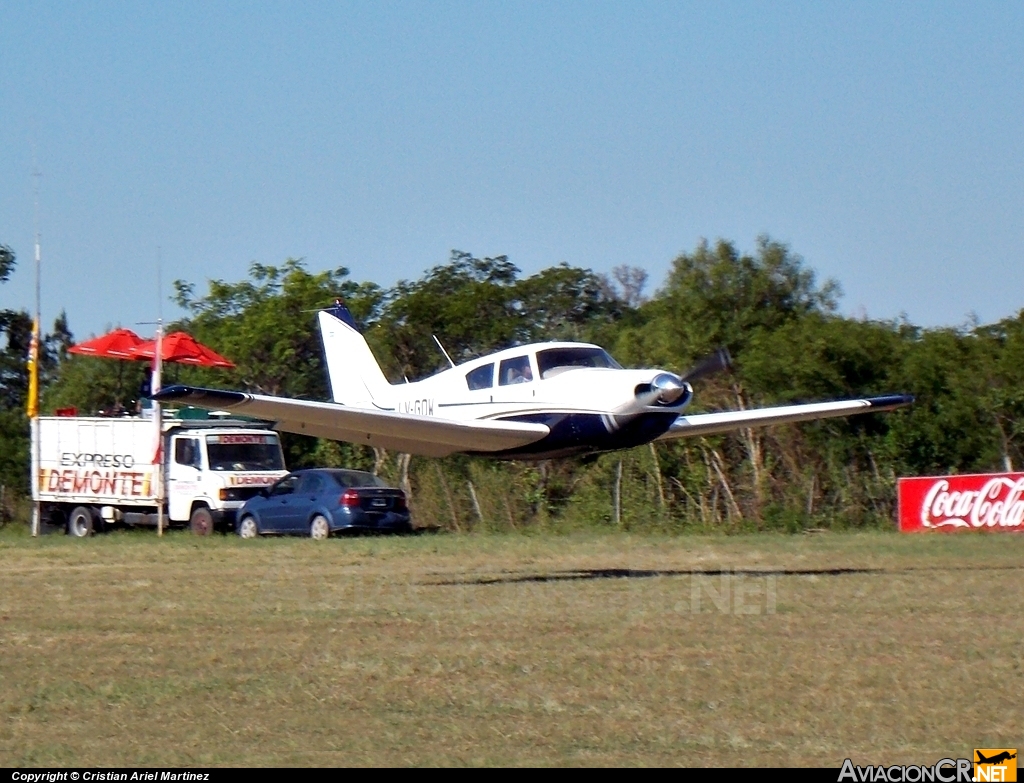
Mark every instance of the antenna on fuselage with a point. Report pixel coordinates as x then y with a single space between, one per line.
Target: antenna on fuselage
446 356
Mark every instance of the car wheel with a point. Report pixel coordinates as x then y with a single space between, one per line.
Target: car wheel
201 521
319 528
80 523
247 528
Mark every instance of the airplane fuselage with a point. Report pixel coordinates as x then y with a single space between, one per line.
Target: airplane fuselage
569 387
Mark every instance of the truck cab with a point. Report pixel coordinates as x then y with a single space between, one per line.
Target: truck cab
211 471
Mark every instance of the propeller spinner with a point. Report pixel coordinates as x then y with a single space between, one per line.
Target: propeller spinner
668 388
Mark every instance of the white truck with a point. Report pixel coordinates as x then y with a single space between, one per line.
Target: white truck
92 473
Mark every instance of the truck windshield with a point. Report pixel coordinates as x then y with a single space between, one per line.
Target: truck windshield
244 452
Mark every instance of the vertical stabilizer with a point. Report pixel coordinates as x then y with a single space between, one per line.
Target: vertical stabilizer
354 375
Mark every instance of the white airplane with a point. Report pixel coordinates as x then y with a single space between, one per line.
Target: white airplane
537 401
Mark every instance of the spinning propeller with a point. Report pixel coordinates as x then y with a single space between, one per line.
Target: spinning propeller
667 389
712 364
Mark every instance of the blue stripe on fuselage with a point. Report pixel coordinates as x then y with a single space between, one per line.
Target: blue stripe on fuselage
573 434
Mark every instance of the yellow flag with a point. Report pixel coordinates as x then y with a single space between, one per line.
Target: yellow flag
32 405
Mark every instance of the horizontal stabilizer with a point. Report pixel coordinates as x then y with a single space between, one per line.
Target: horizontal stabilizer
726 421
429 436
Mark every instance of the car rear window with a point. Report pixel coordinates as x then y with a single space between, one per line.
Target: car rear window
356 478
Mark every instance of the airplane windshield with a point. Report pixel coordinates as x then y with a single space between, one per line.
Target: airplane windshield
557 360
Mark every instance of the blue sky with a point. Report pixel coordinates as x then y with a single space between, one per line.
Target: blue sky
884 142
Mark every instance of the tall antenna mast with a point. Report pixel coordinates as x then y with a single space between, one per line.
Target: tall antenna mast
37 175
33 403
159 287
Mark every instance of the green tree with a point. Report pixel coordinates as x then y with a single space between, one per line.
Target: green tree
1004 396
479 305
7 261
717 296
965 392
15 328
470 303
267 326
569 303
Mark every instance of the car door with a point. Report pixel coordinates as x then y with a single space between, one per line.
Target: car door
184 476
304 501
278 508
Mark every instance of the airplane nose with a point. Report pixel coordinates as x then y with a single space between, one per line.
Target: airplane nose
669 388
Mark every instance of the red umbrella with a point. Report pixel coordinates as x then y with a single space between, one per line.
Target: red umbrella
183 348
118 344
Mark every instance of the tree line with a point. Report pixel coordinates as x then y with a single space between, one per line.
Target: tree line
780 323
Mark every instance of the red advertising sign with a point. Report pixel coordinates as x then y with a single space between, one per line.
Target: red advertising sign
986 501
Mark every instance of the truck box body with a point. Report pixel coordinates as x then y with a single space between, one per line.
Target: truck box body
108 470
97 460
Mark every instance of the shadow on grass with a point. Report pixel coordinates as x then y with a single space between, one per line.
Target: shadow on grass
642 573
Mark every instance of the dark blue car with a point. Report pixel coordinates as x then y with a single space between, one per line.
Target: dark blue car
321 501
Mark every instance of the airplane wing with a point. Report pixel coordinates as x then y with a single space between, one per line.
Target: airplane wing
429 436
715 423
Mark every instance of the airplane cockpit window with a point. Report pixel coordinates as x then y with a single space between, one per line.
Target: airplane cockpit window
516 370
556 360
481 377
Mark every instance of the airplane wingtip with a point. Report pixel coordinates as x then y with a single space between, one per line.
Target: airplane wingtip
890 401
194 394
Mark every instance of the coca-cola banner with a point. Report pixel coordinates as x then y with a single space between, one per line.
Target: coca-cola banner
986 501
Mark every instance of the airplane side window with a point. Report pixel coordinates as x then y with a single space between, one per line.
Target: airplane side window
515 370
481 377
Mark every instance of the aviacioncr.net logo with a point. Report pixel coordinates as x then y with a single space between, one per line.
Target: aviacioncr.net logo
942 771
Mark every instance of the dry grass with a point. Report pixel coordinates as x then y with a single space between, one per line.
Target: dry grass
126 650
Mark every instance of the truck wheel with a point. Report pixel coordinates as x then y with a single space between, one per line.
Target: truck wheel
247 528
201 521
319 528
80 523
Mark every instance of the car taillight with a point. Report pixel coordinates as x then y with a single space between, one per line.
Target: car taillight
350 498
400 502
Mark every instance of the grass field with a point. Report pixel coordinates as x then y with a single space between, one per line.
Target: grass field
580 649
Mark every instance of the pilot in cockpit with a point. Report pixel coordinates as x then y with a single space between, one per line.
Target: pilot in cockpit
519 372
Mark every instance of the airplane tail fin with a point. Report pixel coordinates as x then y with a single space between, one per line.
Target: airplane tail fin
355 377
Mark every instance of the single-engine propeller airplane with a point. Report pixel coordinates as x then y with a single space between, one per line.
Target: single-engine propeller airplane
538 401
